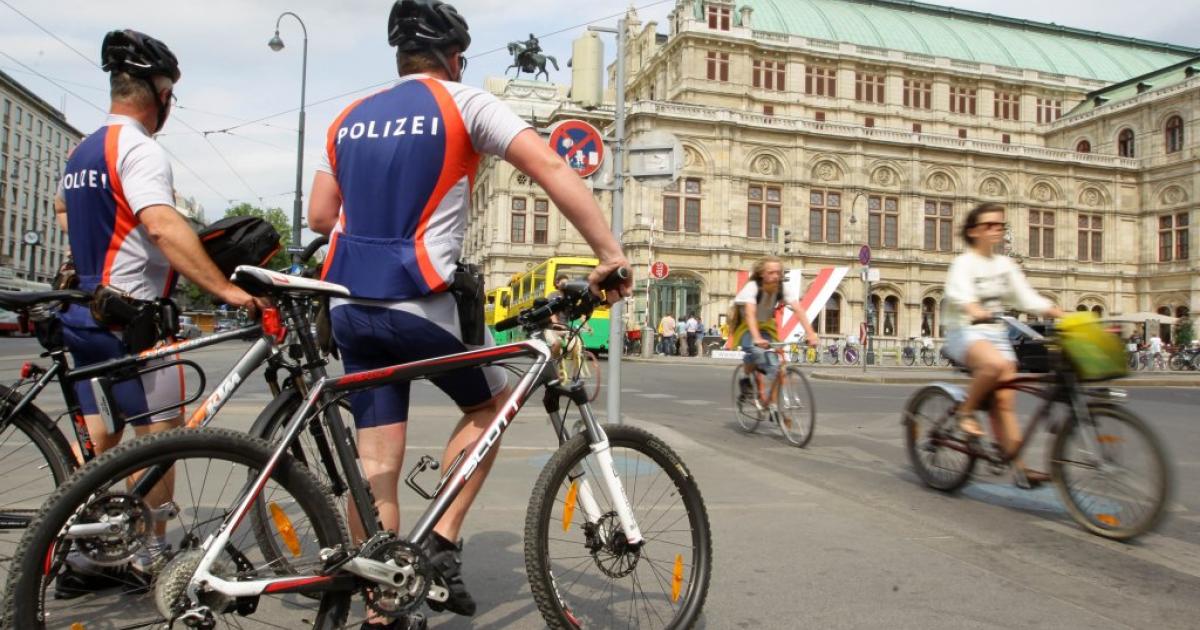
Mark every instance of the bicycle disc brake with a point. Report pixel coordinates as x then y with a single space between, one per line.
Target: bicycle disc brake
611 551
128 522
410 560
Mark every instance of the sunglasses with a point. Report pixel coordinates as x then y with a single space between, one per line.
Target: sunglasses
987 225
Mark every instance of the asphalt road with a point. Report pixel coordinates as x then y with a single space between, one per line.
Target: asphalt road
838 535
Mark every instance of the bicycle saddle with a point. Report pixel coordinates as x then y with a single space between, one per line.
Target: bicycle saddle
259 281
15 301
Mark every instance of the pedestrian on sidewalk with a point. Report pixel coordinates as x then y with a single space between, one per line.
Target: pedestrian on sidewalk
666 334
680 336
691 328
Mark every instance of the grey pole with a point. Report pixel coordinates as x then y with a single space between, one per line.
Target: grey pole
298 204
616 315
616 327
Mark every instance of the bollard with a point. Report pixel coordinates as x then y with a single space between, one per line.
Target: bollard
647 342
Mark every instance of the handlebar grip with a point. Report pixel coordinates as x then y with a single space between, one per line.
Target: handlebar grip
614 279
507 324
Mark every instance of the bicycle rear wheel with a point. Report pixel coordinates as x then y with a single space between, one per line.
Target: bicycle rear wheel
797 407
581 570
211 470
34 459
1111 473
928 357
929 418
745 412
909 357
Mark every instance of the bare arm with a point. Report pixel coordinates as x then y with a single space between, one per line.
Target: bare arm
533 157
171 233
324 203
60 212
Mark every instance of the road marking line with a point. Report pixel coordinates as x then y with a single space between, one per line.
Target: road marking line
627 390
656 395
695 403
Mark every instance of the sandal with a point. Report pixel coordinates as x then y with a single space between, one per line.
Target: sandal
968 425
1028 478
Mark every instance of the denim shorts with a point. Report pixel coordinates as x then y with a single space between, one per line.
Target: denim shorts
959 340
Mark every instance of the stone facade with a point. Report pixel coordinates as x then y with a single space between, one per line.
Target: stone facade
35 140
882 146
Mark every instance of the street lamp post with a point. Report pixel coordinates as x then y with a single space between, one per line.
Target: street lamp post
276 44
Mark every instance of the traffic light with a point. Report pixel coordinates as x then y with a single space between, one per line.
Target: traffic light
783 239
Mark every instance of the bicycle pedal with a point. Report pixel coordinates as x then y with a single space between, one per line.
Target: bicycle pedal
334 559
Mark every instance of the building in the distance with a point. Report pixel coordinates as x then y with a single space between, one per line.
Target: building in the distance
813 127
35 140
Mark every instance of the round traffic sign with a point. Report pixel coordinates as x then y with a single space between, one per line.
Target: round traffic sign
864 255
580 144
659 270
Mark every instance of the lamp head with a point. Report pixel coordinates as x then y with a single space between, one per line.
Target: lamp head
276 44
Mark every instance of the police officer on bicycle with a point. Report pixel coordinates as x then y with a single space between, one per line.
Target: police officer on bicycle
394 193
116 201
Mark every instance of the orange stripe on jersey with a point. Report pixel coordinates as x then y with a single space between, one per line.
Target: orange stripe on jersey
460 159
331 136
333 241
125 220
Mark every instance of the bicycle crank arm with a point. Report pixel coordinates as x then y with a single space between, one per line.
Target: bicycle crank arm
385 573
89 530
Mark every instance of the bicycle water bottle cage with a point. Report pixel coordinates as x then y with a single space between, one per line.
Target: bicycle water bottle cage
425 463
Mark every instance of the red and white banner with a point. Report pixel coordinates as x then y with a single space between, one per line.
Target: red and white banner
819 291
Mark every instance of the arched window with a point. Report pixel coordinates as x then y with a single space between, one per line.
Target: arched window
1082 308
1174 134
891 307
1164 331
1125 143
1083 146
833 315
1098 310
876 306
928 317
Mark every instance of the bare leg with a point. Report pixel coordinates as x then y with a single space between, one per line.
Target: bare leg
987 367
164 491
1004 416
381 451
468 431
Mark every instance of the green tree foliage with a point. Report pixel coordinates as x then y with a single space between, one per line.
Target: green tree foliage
278 218
1184 332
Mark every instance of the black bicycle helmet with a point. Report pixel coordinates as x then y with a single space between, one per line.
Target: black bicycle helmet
416 25
138 54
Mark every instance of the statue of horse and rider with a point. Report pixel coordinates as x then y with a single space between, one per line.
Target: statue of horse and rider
528 58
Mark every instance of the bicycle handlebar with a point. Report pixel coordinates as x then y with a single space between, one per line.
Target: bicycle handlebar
576 299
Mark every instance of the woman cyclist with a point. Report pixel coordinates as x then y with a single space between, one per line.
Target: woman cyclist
979 285
754 321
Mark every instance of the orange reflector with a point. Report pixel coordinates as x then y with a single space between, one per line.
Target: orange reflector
283 525
1108 439
677 578
76 626
1108 519
569 508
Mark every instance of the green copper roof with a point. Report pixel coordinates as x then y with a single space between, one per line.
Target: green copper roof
965 35
1125 90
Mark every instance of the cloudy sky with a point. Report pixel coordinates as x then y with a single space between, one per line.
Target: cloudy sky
231 77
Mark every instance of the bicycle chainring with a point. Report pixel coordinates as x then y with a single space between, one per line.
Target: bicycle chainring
613 554
410 560
135 522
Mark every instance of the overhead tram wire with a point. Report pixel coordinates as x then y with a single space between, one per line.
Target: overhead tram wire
384 83
47 31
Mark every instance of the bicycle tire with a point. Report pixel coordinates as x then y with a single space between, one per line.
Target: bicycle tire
928 357
551 584
1177 362
797 407
747 415
923 428
267 427
1079 502
24 605
26 484
908 357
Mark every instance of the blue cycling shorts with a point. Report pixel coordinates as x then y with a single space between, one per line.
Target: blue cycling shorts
375 336
90 343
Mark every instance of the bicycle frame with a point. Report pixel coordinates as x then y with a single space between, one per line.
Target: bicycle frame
542 372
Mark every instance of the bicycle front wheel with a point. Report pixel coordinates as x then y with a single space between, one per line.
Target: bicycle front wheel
928 357
1111 473
34 459
909 357
63 577
797 407
745 412
581 569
